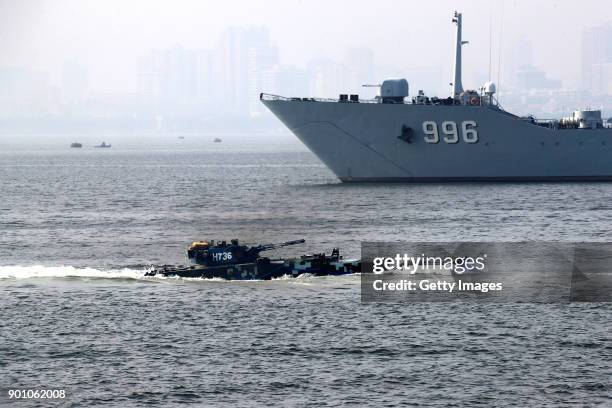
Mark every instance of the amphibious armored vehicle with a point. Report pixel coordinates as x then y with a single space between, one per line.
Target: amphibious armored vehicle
233 261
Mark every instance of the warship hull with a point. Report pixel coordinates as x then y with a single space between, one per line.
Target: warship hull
363 142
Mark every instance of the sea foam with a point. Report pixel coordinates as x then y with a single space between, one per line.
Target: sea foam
40 271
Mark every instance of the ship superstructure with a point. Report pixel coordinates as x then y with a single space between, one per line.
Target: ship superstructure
466 136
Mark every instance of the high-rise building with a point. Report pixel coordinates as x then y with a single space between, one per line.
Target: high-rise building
325 78
596 50
601 78
529 77
241 58
357 70
205 78
262 63
286 80
176 81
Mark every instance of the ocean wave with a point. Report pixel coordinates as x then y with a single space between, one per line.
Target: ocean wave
41 271
70 272
132 272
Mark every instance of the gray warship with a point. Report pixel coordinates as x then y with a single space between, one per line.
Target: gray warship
467 136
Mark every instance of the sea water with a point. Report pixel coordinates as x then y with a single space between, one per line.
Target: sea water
80 227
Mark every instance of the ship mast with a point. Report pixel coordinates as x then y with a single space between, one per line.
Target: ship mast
457 86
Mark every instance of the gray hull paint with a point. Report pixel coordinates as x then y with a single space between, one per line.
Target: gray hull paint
359 142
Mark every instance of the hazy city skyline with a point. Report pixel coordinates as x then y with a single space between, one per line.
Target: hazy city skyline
44 34
193 59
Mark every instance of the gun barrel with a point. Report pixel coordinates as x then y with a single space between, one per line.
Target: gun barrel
295 242
267 247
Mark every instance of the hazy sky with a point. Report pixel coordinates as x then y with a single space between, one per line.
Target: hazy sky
110 35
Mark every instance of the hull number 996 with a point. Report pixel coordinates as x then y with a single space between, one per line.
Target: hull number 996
450 131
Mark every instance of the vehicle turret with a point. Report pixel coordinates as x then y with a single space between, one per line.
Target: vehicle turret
209 253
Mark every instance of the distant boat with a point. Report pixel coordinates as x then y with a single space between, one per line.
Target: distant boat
217 140
76 144
181 137
104 145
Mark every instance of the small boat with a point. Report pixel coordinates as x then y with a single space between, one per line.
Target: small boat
181 137
76 145
217 140
103 145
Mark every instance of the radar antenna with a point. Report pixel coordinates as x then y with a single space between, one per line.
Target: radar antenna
457 86
501 32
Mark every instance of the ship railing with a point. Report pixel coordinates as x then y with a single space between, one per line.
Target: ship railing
557 124
377 100
271 97
546 123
